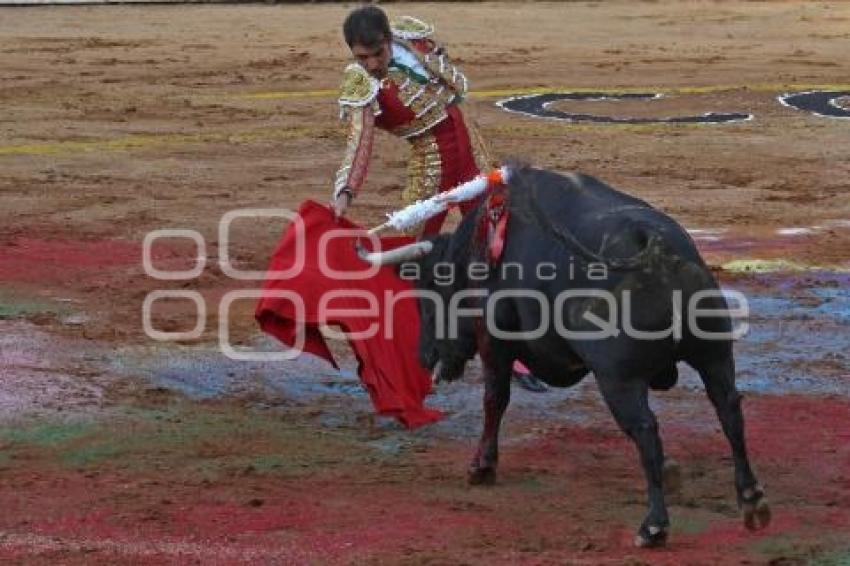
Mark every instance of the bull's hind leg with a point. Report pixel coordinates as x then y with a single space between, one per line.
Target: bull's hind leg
719 379
629 403
497 395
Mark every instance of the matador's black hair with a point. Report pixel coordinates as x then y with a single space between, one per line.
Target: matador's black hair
367 26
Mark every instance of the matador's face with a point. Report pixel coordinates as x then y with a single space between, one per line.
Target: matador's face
375 59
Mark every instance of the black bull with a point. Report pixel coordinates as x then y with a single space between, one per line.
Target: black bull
590 237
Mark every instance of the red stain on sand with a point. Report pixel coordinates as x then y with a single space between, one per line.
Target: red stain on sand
28 260
69 262
571 494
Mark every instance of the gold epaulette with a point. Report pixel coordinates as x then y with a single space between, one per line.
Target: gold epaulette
358 87
408 27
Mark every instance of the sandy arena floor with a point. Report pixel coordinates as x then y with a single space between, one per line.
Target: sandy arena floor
120 120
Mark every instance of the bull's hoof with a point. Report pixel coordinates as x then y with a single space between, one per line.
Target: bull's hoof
672 476
481 476
651 537
755 509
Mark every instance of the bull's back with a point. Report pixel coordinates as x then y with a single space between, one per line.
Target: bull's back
589 221
608 222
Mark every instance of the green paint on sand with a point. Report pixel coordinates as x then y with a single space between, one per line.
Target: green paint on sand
192 441
838 558
268 464
533 484
690 525
13 305
45 435
87 454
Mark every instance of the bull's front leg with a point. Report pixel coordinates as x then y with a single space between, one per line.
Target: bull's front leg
497 395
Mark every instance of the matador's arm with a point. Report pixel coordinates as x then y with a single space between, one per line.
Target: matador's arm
359 107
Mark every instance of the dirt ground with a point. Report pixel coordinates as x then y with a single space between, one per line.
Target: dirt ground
119 120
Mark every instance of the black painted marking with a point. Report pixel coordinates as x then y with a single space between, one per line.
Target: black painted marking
819 102
537 105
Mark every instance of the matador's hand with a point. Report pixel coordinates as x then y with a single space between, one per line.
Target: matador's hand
341 203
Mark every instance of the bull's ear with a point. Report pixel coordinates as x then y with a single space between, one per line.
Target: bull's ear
409 271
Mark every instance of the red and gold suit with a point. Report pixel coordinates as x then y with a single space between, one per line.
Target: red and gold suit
419 101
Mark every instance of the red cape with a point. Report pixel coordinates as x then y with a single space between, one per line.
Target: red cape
387 364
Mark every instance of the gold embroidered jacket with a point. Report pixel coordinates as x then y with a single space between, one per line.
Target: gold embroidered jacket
414 97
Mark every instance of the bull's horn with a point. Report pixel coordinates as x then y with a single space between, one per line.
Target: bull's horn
435 374
398 255
378 229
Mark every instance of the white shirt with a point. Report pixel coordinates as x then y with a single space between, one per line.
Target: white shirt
403 56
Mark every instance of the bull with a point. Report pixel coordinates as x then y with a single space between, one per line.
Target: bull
606 254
